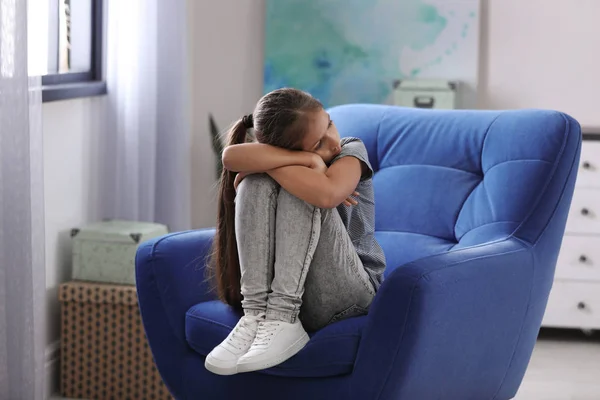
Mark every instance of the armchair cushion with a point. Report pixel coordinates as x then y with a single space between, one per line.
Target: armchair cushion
420 246
330 352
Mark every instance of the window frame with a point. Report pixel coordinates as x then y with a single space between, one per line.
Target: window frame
72 85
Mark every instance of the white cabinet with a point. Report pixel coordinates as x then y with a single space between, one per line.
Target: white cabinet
575 297
573 304
579 259
589 166
584 215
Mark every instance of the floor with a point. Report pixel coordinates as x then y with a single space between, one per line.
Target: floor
565 366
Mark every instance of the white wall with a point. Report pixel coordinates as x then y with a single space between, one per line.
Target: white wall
71 132
543 54
227 50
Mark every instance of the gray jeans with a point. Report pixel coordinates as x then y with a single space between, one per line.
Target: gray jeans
296 260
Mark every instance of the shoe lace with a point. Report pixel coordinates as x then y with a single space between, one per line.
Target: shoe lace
265 332
242 335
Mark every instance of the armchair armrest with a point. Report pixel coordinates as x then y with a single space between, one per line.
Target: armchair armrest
170 278
172 268
448 326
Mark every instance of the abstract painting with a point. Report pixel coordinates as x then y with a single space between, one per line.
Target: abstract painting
349 51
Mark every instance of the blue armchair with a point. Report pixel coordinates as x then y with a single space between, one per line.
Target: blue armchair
471 208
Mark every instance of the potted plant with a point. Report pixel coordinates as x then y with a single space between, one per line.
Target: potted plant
217 144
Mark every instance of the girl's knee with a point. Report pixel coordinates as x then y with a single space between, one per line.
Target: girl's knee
257 186
287 199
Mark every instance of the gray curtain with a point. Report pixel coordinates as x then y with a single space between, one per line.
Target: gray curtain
22 270
146 147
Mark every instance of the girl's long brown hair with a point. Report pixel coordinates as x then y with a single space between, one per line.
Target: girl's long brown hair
279 120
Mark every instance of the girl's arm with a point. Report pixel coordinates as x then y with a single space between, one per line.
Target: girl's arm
323 190
258 157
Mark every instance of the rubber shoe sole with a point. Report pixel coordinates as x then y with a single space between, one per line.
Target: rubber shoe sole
211 364
287 354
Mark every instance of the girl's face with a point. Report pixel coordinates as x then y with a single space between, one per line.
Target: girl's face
322 136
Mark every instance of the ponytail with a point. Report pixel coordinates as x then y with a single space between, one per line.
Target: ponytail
225 262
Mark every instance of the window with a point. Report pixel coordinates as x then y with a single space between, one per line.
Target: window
65 47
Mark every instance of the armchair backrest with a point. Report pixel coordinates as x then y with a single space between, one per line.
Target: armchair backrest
452 179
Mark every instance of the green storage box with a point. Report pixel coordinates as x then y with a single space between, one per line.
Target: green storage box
434 94
105 251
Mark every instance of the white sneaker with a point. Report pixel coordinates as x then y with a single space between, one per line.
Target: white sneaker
275 342
223 359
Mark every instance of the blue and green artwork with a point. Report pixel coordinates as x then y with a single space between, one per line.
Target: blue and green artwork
348 51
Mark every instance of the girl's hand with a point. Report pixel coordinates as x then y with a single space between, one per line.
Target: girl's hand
350 201
318 164
238 179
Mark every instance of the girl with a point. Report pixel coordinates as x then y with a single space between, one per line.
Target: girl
293 247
